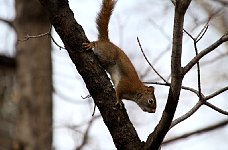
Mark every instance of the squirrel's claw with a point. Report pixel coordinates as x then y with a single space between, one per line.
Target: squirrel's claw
88 46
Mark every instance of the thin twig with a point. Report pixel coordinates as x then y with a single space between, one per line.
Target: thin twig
216 93
209 49
182 87
74 127
149 61
199 104
189 34
216 108
87 96
196 52
195 41
198 69
202 33
27 37
53 40
8 22
86 133
174 2
199 131
216 58
188 114
68 99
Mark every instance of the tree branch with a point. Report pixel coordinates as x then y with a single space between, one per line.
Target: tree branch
182 87
199 131
149 61
8 22
94 76
195 41
201 102
216 93
209 49
86 133
216 108
155 138
188 114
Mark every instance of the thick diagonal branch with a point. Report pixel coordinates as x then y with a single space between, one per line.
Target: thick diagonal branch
95 78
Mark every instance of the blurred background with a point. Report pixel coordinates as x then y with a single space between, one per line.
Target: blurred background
54 108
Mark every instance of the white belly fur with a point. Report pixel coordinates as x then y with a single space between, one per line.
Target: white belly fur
115 74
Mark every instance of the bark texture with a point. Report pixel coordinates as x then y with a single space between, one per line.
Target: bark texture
8 103
34 76
62 18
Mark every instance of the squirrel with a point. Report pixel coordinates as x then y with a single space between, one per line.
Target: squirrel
123 74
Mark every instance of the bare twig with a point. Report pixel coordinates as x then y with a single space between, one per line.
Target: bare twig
199 104
174 2
27 37
74 127
209 49
149 61
68 99
188 114
199 93
8 22
216 108
216 93
195 41
199 131
183 87
203 100
86 134
218 57
201 34
87 96
53 40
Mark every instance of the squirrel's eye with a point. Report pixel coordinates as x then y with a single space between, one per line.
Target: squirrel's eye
150 101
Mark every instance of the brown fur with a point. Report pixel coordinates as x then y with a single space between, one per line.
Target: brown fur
118 65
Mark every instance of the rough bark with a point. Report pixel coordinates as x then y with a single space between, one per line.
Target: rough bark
34 76
8 107
62 18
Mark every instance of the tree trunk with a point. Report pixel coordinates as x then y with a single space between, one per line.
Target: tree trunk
34 75
8 107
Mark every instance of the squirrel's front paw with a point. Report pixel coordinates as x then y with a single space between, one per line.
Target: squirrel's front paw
88 46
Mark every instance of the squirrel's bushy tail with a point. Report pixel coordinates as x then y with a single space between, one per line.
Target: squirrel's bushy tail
103 19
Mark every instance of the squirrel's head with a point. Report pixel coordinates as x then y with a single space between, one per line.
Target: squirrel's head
146 99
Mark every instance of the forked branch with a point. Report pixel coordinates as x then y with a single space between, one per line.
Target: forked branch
206 51
203 101
156 137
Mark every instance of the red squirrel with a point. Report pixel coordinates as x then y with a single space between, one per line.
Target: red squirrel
118 65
